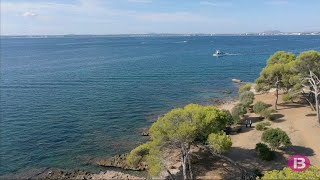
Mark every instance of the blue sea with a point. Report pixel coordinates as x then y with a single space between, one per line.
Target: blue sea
68 101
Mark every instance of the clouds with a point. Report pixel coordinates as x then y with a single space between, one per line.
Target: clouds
216 4
171 17
29 14
97 11
143 16
140 1
277 2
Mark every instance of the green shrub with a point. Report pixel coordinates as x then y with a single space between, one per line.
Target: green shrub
219 142
259 106
289 97
276 138
230 120
312 172
262 126
264 152
237 111
245 87
246 98
138 154
267 113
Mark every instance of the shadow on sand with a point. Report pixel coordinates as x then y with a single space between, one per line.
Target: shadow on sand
295 150
311 114
278 118
290 106
206 165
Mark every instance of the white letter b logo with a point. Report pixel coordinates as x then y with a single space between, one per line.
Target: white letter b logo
299 163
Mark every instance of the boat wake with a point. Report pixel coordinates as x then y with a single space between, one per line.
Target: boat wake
179 42
232 54
227 54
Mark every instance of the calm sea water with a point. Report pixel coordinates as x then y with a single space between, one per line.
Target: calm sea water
65 101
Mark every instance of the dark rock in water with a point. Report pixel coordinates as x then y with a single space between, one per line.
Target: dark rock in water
218 101
53 173
59 174
146 133
227 91
120 161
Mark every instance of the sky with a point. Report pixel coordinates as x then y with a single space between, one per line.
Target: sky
55 17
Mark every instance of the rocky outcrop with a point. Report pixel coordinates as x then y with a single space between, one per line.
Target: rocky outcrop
53 173
114 175
227 91
218 101
145 133
82 175
120 161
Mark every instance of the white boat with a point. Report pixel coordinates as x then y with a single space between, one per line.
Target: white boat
218 53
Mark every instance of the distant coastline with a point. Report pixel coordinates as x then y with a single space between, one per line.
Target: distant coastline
265 33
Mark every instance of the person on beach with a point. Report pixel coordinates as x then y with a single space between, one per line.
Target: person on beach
246 123
250 122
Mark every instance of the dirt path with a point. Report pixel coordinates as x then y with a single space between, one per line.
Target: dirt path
297 120
303 129
300 122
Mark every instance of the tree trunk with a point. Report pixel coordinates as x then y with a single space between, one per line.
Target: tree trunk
317 106
184 168
314 84
171 176
190 168
184 161
310 103
277 97
277 93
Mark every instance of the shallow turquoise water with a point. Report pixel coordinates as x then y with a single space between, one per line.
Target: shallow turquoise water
65 101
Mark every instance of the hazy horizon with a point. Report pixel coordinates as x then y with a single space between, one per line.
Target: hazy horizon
151 33
98 17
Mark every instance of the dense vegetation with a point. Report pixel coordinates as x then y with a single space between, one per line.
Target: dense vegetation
180 129
246 98
284 71
267 113
237 111
277 73
230 120
264 152
262 126
311 173
245 87
276 138
259 106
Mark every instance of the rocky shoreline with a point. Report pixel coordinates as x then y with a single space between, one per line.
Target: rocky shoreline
59 174
120 161
83 175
